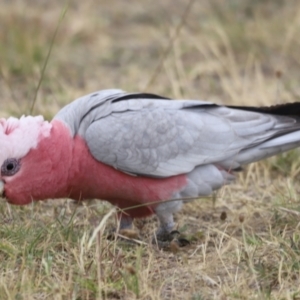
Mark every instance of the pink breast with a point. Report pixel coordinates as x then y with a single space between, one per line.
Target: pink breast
92 179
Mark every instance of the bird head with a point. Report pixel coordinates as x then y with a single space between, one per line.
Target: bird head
27 159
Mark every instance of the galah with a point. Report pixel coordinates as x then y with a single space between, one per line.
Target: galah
138 150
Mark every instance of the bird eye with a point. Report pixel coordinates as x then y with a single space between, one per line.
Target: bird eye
10 167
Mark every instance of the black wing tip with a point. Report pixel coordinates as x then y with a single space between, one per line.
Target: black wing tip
286 109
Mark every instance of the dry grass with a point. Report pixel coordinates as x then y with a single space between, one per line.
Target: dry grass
246 243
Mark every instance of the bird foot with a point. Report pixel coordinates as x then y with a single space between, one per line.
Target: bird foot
164 239
129 235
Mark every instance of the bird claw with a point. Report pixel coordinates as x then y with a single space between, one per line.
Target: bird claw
163 240
128 235
183 242
167 236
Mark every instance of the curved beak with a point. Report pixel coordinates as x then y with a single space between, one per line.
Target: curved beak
1 188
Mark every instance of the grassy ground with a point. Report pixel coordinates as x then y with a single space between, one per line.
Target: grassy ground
245 243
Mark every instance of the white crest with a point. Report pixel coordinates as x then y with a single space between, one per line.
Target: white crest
18 136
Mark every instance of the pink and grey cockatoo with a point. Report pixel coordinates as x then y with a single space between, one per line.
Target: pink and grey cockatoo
132 149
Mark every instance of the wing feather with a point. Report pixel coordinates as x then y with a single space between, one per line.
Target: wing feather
157 137
164 141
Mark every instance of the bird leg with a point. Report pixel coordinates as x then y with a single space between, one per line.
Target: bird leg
165 233
126 229
125 221
166 224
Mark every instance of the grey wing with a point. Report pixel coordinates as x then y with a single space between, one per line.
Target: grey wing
166 138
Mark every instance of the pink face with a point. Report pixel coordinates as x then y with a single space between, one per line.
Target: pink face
26 179
42 172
